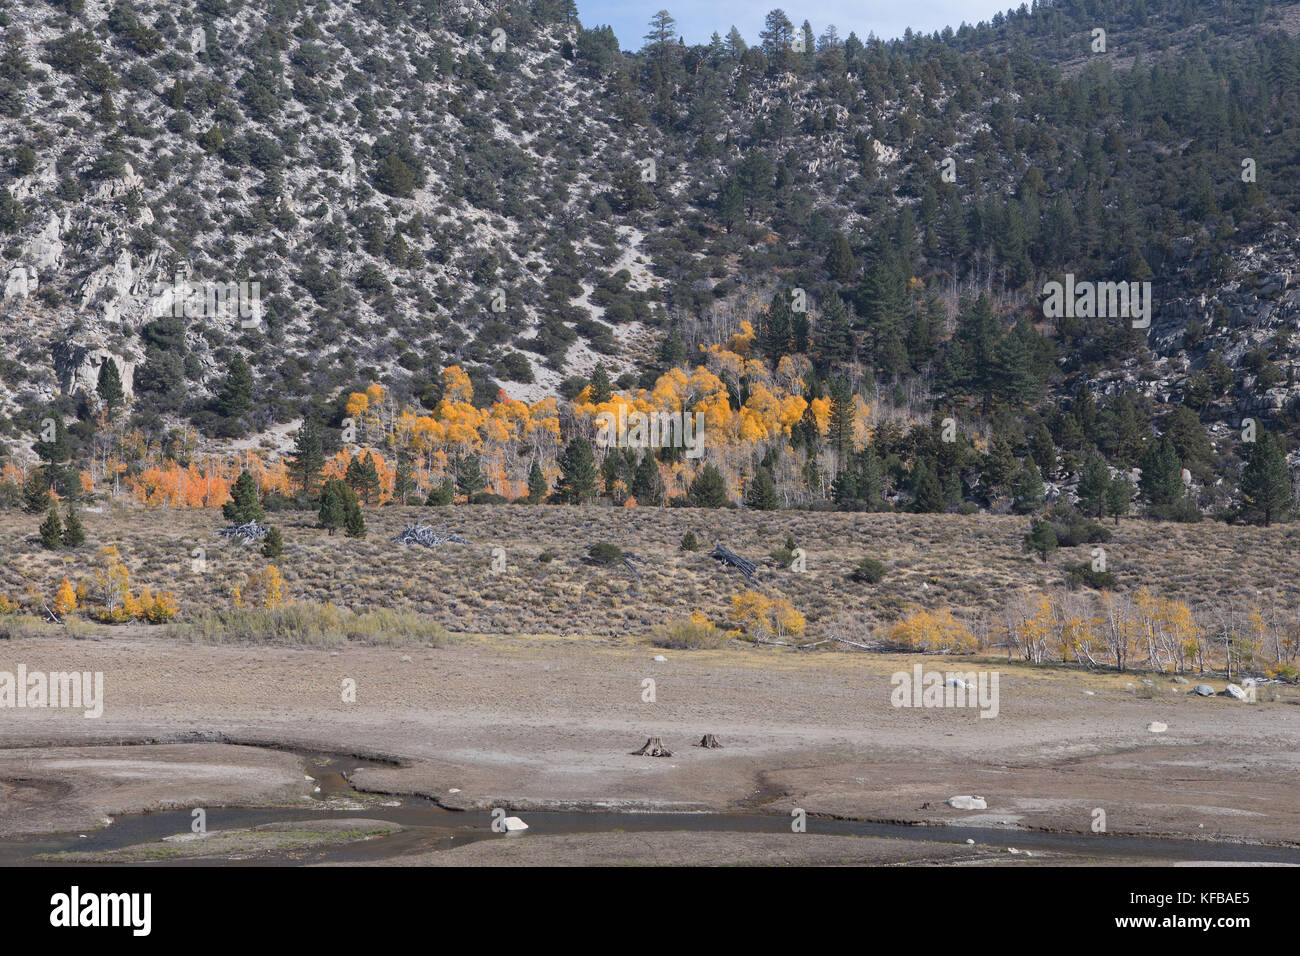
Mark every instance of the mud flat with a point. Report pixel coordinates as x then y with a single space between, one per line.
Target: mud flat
286 838
546 724
50 789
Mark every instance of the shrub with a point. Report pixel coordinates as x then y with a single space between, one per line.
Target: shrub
312 624
156 609
442 495
923 630
695 633
604 554
689 543
783 555
760 616
868 571
1082 575
263 588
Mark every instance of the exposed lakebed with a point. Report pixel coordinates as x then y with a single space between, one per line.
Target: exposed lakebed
339 824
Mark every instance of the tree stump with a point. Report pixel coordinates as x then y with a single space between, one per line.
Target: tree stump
709 741
654 747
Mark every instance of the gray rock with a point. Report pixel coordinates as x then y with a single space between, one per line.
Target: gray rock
1235 692
1180 680
967 803
1203 690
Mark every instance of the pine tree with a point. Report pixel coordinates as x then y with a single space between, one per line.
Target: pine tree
663 30
761 495
443 494
354 475
647 484
235 396
672 352
736 44
109 387
51 530
74 534
333 509
1041 539
1119 496
731 205
273 544
689 542
1162 477
833 337
774 331
840 433
369 491
1044 450
403 478
469 476
36 493
56 450
839 261
1266 481
927 490
354 523
537 484
601 388
708 490
1027 490
243 505
577 482
1000 463
871 481
1094 484
308 459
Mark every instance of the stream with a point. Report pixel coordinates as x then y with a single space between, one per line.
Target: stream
431 827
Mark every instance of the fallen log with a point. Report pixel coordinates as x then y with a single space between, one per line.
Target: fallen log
247 533
865 647
758 640
654 747
729 558
427 537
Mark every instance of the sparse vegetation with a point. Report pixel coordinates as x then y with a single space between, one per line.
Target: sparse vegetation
313 625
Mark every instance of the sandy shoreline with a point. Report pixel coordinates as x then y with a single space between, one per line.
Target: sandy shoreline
546 723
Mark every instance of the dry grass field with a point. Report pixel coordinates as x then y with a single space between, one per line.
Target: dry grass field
971 565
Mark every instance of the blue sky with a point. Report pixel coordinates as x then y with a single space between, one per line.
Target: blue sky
885 18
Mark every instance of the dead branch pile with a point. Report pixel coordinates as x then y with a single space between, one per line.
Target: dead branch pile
428 537
731 559
246 533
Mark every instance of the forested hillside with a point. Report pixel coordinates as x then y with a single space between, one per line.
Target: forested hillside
474 228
